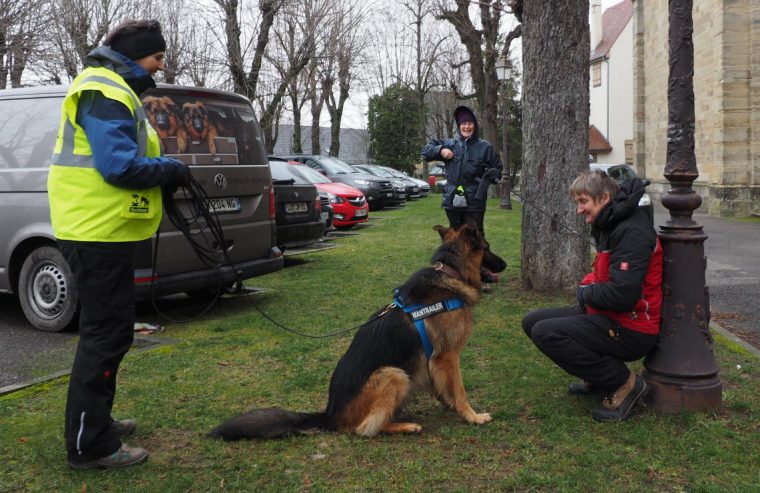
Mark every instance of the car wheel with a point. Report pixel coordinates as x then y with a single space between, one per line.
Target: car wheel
47 290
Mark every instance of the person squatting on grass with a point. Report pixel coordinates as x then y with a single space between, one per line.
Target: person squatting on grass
617 318
104 192
471 165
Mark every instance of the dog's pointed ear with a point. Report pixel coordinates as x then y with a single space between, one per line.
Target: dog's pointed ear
442 230
474 237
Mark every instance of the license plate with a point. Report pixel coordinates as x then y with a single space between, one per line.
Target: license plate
389 194
224 204
415 189
296 207
361 213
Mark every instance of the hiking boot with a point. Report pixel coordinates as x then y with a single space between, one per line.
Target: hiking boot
124 457
582 388
124 427
488 276
618 405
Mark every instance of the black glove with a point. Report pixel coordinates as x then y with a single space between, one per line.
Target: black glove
179 175
184 176
579 297
492 174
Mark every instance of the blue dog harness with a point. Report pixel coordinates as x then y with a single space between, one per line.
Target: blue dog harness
419 312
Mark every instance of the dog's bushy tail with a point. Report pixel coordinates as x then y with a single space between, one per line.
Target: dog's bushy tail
270 423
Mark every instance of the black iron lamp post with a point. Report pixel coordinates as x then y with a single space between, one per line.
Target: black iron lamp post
503 73
681 371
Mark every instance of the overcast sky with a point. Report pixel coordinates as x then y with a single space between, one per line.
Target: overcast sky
355 113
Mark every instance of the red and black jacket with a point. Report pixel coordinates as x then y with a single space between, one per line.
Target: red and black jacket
626 281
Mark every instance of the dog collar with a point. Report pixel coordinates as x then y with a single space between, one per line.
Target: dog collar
418 312
446 269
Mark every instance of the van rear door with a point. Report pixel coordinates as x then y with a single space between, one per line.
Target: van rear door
217 135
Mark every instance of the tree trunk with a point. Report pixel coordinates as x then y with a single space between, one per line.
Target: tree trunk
296 147
317 91
555 142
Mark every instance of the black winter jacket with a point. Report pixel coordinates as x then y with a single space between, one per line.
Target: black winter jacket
472 158
626 240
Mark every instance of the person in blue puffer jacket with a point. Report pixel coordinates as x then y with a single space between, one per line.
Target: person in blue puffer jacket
471 165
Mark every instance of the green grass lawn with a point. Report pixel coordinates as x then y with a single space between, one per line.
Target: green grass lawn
234 360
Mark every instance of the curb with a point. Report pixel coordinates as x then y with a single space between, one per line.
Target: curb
151 343
735 339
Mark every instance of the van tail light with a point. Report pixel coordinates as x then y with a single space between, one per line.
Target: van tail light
271 204
318 205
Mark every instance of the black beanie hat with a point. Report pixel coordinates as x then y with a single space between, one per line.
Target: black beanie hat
139 44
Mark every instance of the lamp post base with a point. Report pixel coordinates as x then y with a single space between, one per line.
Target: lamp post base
674 395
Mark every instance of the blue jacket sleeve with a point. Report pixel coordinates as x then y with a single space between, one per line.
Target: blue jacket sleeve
112 134
432 151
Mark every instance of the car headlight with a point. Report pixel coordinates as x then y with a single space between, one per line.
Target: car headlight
645 200
360 181
335 199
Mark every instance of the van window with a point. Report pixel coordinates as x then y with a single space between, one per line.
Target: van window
284 172
203 130
28 128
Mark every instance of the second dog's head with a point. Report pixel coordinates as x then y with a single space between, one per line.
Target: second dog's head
467 244
195 118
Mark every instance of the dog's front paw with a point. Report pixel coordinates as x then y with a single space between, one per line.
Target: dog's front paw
480 419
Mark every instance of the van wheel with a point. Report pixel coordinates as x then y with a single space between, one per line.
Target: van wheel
47 291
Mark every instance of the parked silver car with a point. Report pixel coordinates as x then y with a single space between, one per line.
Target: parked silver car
232 167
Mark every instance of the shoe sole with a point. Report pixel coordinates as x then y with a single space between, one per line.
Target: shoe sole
94 465
630 408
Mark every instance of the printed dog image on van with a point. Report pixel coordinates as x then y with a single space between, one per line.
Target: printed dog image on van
390 356
163 114
200 125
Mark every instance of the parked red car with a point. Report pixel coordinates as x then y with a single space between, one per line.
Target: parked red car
349 204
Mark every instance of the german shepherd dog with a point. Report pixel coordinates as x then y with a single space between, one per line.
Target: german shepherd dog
198 124
386 359
163 114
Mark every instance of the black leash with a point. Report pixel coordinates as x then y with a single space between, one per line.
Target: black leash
212 251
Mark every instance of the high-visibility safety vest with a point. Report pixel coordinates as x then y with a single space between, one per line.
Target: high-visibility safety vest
83 206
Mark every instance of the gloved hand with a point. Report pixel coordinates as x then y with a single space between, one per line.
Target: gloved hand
579 297
177 174
183 175
492 174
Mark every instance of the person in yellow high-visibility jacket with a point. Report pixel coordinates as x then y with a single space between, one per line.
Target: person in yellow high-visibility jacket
104 189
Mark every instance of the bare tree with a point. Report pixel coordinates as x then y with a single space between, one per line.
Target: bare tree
482 43
177 25
555 141
85 24
296 41
246 80
20 26
409 46
346 45
301 22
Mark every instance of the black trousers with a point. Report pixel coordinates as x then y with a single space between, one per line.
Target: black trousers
104 274
459 217
591 347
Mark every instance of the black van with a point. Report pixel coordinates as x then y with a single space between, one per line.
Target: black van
214 132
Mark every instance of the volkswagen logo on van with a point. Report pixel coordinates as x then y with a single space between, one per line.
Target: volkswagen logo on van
220 181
